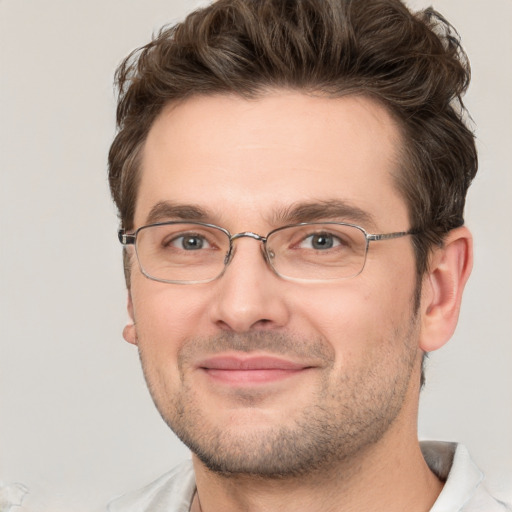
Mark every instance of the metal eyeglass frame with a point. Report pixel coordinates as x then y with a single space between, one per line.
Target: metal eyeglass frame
131 239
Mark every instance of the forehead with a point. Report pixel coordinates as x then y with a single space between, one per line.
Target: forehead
240 159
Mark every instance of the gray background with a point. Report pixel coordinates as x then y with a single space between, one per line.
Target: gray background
77 424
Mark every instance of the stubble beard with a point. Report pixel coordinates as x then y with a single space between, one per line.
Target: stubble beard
342 419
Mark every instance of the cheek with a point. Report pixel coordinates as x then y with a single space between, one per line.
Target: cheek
165 315
165 318
358 318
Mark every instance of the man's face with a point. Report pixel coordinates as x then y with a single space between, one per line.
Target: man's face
257 374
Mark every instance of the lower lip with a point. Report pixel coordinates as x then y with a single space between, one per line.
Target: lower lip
261 376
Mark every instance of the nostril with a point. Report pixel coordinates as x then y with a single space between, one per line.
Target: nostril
263 323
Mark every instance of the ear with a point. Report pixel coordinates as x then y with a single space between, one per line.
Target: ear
442 287
129 331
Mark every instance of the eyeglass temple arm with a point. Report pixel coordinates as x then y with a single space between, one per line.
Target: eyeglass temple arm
125 238
388 236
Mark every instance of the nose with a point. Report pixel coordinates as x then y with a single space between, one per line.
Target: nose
250 296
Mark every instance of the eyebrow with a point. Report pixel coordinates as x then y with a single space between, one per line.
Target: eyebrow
333 210
330 210
167 210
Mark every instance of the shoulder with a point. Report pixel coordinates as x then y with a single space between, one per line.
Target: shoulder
172 492
464 489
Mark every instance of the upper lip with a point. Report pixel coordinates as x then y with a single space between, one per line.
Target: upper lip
247 362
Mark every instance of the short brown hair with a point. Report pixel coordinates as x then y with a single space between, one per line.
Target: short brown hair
412 63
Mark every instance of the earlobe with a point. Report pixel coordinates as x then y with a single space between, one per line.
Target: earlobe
449 269
129 331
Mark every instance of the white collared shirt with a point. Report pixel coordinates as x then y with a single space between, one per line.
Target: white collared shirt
463 491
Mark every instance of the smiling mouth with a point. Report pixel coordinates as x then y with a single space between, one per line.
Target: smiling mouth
237 370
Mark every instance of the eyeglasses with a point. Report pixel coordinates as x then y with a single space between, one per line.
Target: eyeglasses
195 252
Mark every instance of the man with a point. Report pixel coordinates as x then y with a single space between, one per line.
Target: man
291 178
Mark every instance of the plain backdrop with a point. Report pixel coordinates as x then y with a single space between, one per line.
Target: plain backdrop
77 425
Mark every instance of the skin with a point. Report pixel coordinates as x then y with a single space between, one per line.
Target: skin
340 432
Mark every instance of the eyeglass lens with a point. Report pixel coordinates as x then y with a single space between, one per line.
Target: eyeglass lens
188 252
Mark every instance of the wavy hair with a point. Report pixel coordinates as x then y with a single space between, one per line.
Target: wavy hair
412 63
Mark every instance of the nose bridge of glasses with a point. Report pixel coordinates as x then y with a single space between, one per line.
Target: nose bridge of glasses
245 234
248 234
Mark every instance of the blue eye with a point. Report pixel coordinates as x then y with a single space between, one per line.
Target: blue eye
320 241
189 242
